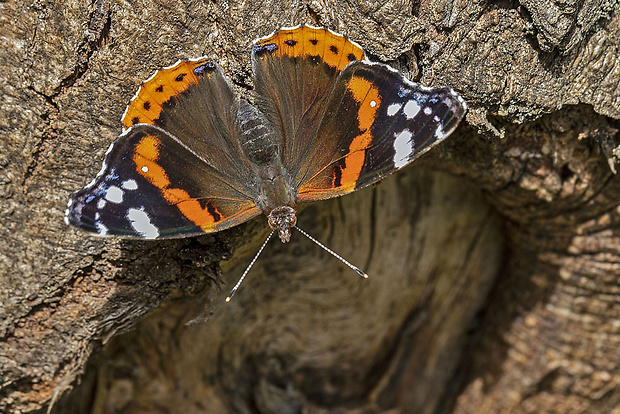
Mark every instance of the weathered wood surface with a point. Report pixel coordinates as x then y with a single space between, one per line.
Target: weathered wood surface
494 262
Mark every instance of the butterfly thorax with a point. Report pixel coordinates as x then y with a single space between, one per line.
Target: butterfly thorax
276 196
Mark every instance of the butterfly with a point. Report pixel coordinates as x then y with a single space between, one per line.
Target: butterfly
324 122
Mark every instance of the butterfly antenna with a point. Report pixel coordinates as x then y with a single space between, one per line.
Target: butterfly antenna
247 269
333 253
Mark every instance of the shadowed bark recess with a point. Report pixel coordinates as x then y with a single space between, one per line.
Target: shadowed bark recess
494 262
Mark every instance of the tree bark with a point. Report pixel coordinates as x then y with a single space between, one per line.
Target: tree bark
494 262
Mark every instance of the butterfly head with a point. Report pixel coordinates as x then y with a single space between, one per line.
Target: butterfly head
283 219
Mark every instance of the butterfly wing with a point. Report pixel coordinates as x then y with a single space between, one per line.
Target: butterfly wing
294 72
193 101
179 169
375 123
153 186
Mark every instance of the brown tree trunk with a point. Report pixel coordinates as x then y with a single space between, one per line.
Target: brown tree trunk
494 262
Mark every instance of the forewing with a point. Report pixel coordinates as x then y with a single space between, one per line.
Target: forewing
152 185
193 101
376 122
294 72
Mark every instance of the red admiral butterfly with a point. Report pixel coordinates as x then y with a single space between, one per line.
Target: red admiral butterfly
195 159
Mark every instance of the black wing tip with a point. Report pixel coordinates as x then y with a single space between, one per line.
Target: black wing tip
75 215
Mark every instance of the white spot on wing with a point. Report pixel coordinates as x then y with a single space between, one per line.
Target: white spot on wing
428 110
114 194
393 109
411 109
439 132
130 185
373 104
145 169
403 145
101 203
102 230
68 210
141 222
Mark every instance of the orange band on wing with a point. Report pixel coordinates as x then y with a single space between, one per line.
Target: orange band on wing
145 158
334 49
146 106
367 95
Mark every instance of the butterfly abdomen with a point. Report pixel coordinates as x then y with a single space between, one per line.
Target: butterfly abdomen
260 146
257 136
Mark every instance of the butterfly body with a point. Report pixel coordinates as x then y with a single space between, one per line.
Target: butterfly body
324 122
276 195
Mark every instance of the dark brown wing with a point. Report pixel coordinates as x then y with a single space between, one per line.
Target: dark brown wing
193 101
294 72
179 169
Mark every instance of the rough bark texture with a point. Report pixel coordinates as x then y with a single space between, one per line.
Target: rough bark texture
494 262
